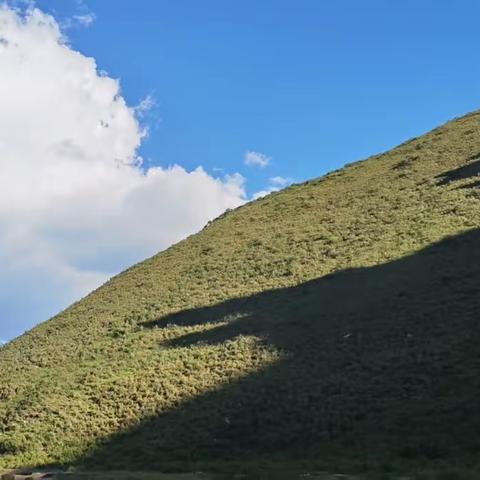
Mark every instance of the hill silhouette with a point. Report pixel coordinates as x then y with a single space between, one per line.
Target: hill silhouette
334 321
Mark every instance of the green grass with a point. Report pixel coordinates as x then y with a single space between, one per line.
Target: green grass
331 326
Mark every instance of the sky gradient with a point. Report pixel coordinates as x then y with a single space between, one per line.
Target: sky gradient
312 84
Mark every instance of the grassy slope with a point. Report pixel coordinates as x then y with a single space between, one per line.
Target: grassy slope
164 364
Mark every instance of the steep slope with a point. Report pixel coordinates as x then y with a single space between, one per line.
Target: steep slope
337 318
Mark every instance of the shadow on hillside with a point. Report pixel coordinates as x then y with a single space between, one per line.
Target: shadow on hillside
470 170
380 362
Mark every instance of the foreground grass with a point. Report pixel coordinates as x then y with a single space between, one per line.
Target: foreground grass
332 324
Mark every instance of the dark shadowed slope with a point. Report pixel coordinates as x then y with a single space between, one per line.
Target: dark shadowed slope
295 326
372 364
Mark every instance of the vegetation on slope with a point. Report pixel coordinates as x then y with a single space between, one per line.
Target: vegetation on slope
337 318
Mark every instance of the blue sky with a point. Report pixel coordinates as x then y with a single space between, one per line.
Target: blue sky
312 84
309 84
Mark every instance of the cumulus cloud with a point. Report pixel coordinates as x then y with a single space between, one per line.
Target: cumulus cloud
76 204
256 159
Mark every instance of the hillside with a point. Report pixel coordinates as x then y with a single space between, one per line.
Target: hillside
335 321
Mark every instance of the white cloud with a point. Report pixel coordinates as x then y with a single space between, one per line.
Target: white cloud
85 20
276 183
76 205
145 105
263 193
81 16
280 181
256 159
